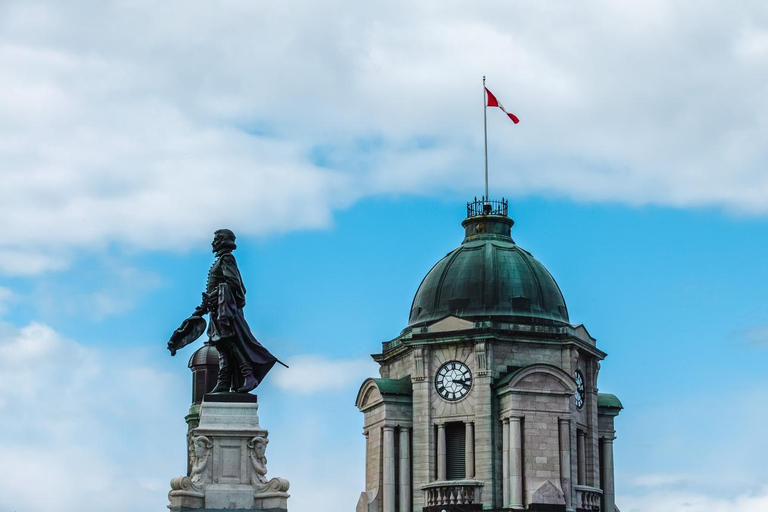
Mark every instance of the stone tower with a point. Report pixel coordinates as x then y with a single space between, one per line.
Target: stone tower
488 399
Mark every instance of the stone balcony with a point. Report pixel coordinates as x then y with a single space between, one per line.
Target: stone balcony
452 495
588 498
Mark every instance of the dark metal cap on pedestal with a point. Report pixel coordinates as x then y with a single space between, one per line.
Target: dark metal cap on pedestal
204 364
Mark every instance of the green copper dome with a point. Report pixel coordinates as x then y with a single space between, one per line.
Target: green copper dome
488 275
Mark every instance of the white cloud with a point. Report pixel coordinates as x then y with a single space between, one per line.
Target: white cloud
310 374
659 479
116 291
100 430
671 501
267 117
755 336
87 427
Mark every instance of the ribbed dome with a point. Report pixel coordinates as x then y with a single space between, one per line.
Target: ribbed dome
205 355
488 275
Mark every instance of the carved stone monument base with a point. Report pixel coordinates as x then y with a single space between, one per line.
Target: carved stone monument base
228 465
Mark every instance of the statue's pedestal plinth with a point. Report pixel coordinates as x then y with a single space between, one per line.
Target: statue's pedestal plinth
228 465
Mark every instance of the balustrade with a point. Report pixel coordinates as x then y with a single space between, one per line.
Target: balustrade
588 498
452 493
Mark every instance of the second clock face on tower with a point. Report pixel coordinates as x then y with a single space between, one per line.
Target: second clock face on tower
453 381
579 397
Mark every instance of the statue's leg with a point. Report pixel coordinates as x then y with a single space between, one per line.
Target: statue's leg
246 370
224 379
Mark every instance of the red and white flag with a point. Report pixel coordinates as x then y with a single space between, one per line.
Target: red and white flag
493 102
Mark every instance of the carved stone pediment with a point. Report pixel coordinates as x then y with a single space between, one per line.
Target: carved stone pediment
548 494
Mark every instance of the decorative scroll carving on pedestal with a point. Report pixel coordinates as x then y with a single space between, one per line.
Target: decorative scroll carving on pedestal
201 455
185 483
189 491
257 455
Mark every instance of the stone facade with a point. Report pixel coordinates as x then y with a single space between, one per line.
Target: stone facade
527 443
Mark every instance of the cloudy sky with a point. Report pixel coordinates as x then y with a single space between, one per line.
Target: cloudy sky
340 141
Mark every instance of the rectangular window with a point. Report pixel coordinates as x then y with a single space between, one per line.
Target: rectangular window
455 444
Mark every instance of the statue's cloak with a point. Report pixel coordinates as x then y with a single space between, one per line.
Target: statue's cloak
225 299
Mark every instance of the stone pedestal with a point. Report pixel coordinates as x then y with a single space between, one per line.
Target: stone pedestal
228 465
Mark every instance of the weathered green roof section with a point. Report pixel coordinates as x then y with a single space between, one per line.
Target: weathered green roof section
488 275
395 386
608 401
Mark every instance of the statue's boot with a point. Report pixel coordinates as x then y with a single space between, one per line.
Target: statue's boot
224 378
249 380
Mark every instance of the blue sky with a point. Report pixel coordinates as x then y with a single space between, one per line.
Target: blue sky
341 144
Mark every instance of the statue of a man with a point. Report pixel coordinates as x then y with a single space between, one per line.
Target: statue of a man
243 361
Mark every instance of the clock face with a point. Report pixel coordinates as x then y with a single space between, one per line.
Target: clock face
579 397
453 381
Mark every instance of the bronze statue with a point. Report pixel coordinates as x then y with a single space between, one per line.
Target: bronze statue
243 361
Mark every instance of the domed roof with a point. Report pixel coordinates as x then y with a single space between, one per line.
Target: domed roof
488 275
205 355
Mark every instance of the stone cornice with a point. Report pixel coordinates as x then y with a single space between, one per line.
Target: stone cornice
400 346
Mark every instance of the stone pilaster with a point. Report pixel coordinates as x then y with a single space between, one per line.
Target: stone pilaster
484 425
469 450
592 448
581 463
388 462
405 469
422 428
516 462
565 462
505 462
442 467
609 493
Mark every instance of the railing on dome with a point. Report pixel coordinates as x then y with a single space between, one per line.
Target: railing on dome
485 206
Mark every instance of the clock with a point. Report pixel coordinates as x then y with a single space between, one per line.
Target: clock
453 381
579 396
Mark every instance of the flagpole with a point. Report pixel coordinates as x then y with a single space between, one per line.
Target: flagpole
485 137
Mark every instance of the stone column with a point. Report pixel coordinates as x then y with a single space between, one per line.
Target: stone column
442 467
388 459
405 469
565 461
469 450
609 494
485 422
505 461
516 462
582 462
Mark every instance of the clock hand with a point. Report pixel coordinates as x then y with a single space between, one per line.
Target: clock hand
462 382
